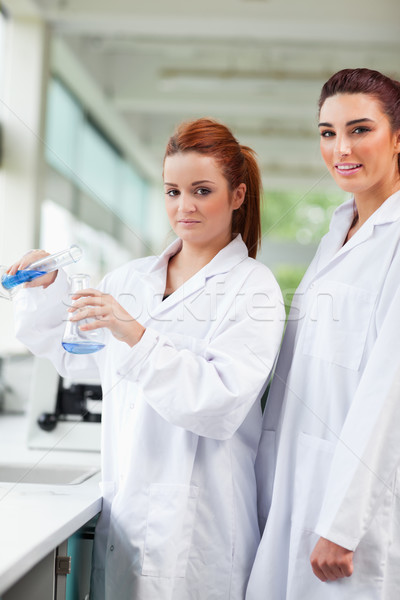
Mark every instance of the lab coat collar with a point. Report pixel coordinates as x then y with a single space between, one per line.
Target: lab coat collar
233 253
332 245
227 258
164 257
389 211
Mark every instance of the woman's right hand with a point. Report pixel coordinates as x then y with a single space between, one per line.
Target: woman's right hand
330 561
26 260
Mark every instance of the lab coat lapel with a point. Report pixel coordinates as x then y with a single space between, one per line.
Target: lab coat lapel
230 256
193 285
333 241
154 280
332 248
363 234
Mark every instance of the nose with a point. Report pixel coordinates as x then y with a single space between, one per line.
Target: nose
342 146
186 203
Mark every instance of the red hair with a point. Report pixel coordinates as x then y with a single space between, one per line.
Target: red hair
238 165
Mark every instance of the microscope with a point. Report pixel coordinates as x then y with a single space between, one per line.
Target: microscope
73 402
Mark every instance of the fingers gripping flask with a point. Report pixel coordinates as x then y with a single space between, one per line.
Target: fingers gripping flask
74 340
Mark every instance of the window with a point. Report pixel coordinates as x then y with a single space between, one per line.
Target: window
79 150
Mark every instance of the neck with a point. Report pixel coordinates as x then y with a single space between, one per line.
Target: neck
367 203
198 256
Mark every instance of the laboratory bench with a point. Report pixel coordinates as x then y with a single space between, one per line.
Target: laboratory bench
38 518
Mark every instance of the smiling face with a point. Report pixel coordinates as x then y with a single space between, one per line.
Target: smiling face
359 147
198 201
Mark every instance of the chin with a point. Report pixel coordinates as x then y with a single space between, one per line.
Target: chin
351 187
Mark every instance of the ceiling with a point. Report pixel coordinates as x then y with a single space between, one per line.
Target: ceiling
257 65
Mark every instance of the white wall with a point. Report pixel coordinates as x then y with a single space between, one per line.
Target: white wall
26 53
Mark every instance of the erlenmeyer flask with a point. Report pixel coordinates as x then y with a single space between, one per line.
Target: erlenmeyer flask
74 340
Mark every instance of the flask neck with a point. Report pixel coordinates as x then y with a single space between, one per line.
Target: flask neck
79 282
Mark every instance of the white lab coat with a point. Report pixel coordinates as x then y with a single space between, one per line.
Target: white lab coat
331 428
181 422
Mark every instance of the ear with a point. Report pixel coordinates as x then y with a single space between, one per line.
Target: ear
397 141
239 195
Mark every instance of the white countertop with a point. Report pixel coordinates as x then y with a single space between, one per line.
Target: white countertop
35 518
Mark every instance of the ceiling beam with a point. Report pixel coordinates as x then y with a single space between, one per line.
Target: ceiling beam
110 23
72 73
22 9
192 107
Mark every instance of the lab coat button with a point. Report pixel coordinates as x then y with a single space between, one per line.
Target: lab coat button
111 548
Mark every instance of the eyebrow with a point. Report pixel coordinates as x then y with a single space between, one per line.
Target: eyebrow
353 122
193 183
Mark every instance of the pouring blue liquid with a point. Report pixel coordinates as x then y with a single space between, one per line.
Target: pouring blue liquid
23 276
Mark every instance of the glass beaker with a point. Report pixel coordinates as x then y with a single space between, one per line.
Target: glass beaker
74 340
36 269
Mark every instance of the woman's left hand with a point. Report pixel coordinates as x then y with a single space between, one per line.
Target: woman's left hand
105 312
330 561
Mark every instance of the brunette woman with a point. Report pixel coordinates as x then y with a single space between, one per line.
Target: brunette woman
332 422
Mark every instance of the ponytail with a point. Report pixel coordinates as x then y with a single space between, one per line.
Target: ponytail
246 219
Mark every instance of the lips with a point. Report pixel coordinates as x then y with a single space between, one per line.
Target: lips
348 168
188 221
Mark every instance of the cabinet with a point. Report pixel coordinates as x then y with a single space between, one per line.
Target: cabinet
48 580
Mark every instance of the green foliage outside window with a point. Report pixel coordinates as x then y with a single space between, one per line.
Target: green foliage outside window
298 217
299 220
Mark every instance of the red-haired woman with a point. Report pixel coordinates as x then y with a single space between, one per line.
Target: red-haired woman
333 413
192 338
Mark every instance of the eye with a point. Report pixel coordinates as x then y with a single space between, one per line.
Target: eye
327 133
202 191
361 129
172 193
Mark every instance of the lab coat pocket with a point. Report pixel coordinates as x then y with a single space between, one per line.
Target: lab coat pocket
314 457
337 323
170 522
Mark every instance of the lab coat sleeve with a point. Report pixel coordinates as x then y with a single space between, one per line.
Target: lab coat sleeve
368 450
40 316
267 452
209 387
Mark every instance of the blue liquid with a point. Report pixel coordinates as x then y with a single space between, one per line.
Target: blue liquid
82 347
10 281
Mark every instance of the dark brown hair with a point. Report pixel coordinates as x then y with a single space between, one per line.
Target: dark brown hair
238 165
367 81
